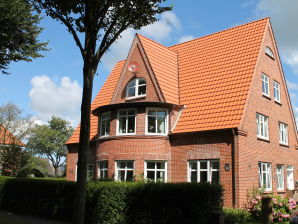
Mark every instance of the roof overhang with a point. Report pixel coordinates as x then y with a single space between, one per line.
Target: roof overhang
133 104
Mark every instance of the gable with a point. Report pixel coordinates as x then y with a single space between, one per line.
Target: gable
153 92
256 103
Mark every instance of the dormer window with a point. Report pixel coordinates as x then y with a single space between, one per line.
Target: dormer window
269 52
136 88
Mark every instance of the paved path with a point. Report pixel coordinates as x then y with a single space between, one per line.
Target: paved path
28 219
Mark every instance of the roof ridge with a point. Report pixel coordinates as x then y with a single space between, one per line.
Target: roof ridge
234 27
156 42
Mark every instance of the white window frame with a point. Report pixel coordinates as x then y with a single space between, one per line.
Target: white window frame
269 52
283 133
92 171
262 126
276 91
136 88
155 169
105 120
280 177
198 170
102 169
268 173
124 169
166 122
266 81
118 121
290 185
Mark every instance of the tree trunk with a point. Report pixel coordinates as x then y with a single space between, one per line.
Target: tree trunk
55 171
79 210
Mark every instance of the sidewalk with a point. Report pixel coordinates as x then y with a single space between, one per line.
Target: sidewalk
11 218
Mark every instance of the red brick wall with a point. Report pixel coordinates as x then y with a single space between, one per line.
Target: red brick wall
253 150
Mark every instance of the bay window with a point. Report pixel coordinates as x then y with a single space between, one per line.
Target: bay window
103 169
126 123
124 170
156 121
156 171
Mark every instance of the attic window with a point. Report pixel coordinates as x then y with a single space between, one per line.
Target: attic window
136 88
269 52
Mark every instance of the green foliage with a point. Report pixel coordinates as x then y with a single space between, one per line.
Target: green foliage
19 31
113 202
236 216
49 141
282 207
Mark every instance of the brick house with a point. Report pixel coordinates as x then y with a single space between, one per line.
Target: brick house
213 109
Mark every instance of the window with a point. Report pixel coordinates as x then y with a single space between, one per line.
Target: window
283 133
265 180
290 177
265 85
136 88
90 172
156 171
103 169
156 120
262 126
280 177
105 119
276 88
124 170
269 52
126 121
203 171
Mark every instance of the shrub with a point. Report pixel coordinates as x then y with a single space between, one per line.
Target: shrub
113 202
236 216
282 207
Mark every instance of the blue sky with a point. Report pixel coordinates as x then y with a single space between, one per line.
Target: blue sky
52 85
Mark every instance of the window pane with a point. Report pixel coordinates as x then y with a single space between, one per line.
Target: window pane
150 175
160 165
131 92
151 112
131 124
131 112
151 124
107 126
150 165
161 113
121 175
193 176
215 164
203 176
193 165
121 165
160 176
122 113
142 90
161 125
132 83
129 175
142 81
203 165
215 177
130 164
122 125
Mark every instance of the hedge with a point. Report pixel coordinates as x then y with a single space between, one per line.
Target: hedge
113 202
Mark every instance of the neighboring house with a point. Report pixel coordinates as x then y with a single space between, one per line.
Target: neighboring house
213 109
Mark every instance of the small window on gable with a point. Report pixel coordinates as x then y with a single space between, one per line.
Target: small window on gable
269 52
136 88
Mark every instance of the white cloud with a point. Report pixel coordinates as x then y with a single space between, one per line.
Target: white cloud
186 38
292 85
49 97
283 15
158 31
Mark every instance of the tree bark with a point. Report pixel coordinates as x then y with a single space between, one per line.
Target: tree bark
79 210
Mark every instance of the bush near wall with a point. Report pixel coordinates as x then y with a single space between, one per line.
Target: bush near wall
113 202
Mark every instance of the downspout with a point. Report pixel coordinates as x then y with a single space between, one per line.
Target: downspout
234 150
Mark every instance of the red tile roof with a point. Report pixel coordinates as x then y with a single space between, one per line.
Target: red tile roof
210 76
7 138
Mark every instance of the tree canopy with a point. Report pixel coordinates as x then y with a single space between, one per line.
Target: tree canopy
19 31
49 141
95 25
